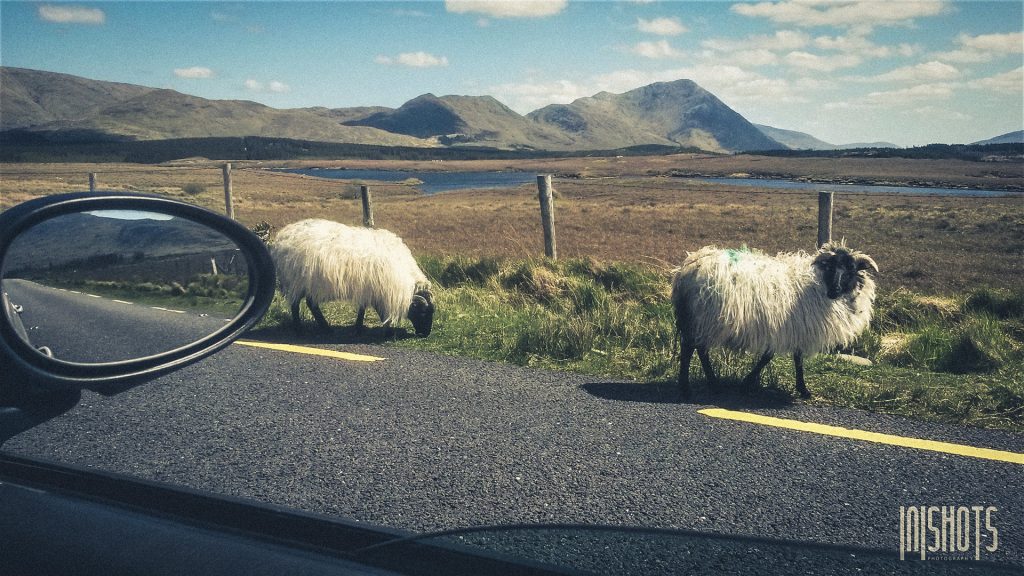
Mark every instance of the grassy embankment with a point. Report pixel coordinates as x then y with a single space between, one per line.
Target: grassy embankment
953 359
204 293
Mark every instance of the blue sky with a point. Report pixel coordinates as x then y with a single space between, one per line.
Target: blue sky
911 73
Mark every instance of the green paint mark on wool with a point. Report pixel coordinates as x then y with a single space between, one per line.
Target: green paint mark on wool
735 254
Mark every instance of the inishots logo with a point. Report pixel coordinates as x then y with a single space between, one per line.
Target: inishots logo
948 532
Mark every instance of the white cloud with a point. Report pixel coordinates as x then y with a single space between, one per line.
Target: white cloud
984 48
816 63
782 40
934 113
528 96
279 87
743 57
924 72
896 99
273 86
507 8
940 90
194 72
853 43
661 26
1000 43
1010 82
65 14
412 60
656 50
409 13
862 14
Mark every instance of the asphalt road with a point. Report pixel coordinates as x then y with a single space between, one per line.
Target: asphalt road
82 327
426 442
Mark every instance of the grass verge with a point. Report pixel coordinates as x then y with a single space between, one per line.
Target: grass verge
955 359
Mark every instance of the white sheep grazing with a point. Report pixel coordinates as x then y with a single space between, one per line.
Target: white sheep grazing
321 261
793 303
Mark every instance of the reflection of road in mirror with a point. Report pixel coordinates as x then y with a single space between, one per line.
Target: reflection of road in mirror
81 327
113 285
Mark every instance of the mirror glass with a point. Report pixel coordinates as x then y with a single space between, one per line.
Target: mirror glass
110 285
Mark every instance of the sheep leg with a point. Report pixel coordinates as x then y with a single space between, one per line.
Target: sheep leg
389 330
685 356
360 317
709 370
296 319
314 308
798 364
754 378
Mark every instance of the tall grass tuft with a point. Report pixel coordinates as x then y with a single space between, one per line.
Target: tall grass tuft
949 358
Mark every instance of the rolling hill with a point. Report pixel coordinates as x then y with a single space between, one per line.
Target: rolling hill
675 114
52 103
1008 138
479 120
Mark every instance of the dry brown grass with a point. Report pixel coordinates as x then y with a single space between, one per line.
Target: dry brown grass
625 210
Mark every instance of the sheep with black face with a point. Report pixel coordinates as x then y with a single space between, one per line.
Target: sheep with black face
791 303
321 261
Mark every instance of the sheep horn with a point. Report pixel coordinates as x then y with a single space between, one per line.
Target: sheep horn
864 262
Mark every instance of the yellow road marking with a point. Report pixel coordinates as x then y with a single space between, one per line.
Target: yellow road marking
309 350
904 441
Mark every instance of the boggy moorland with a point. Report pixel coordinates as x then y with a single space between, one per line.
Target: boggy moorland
632 209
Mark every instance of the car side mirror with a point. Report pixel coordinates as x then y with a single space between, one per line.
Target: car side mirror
103 291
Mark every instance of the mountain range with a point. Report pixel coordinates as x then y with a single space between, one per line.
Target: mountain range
677 114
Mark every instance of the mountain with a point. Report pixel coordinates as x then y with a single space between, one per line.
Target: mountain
679 113
854 145
1008 138
795 140
58 103
31 97
479 120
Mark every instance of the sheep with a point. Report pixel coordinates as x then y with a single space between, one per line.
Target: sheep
748 301
321 261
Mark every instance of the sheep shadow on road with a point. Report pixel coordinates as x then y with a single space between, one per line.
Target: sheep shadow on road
667 392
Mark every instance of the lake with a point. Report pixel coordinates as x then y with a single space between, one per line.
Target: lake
434 182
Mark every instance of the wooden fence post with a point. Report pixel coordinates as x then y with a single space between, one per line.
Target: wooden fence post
364 194
547 215
824 218
229 205
92 181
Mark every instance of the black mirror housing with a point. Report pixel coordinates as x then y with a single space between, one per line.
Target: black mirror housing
26 371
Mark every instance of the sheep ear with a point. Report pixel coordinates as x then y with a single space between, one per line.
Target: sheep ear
823 257
864 262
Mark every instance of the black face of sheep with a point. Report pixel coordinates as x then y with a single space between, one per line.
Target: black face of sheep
840 270
421 312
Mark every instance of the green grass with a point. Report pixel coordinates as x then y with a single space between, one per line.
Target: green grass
953 359
208 293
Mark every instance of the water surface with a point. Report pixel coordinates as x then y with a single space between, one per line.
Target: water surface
434 182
